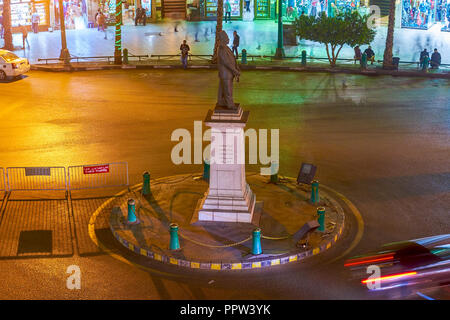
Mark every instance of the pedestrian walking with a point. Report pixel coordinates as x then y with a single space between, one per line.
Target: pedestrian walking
35 20
96 18
435 61
184 48
101 20
227 11
24 31
236 39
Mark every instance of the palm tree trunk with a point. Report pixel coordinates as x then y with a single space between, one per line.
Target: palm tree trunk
7 25
387 58
218 29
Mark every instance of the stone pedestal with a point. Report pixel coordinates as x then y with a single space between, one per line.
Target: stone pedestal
229 197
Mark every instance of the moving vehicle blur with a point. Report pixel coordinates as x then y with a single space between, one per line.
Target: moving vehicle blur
407 266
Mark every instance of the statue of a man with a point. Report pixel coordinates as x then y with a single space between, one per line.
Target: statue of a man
228 70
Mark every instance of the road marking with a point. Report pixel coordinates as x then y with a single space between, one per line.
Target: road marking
359 219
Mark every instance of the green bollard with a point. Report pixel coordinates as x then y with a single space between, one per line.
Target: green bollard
244 56
146 183
315 198
364 61
125 56
274 172
303 58
321 218
256 247
174 242
131 218
206 171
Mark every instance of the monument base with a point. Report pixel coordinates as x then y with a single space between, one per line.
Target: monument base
227 209
229 197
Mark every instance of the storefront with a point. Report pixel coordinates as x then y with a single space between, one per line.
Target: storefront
418 14
21 11
443 14
262 9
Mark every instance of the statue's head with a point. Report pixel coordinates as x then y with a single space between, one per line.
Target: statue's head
223 38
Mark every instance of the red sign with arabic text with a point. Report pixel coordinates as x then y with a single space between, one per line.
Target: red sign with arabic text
96 169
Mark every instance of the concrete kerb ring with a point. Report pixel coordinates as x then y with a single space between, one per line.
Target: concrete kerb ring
236 265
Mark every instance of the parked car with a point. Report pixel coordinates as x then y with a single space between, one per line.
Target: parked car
11 65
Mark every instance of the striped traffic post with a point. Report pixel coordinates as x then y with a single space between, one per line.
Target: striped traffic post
315 198
131 218
174 242
256 247
321 218
146 183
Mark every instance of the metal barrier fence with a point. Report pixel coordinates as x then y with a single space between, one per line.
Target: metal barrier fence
98 176
36 178
2 180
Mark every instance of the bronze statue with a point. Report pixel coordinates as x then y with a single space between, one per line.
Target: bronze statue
228 70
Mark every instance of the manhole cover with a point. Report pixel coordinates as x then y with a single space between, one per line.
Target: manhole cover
35 241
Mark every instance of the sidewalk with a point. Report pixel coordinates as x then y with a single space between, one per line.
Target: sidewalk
293 65
257 37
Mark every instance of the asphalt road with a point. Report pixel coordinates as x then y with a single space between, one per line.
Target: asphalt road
383 142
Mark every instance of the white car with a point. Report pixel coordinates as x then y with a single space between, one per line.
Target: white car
12 65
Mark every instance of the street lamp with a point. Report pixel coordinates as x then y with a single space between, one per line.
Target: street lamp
64 55
279 54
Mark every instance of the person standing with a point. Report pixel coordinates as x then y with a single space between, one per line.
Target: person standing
247 5
358 54
236 39
227 11
138 15
435 61
184 48
24 31
35 20
314 8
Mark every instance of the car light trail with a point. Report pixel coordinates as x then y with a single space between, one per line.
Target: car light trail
369 261
396 276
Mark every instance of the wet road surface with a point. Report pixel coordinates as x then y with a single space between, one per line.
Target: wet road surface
383 142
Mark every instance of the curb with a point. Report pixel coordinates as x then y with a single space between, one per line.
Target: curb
377 72
235 265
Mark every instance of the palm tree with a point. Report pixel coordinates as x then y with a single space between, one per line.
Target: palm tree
7 25
218 29
387 58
